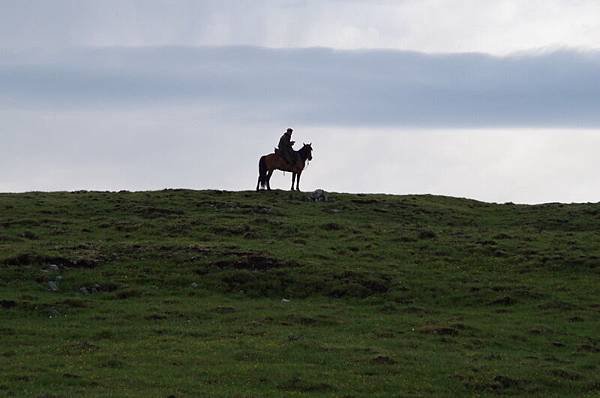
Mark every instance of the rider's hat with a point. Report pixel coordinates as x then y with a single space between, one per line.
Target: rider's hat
289 130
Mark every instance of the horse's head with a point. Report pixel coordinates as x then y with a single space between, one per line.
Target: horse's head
307 150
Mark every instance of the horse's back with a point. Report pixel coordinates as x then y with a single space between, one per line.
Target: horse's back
271 157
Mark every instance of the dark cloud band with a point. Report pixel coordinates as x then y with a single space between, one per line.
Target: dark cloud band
318 86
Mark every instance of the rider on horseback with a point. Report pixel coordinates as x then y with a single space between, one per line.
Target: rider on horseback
276 161
285 147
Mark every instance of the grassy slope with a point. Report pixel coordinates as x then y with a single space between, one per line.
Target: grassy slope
388 296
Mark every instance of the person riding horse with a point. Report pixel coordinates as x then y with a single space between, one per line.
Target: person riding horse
286 149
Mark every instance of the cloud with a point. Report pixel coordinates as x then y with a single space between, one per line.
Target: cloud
498 27
316 86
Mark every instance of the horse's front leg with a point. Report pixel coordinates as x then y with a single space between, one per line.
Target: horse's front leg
298 181
293 179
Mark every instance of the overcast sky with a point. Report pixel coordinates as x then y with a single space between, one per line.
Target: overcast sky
491 100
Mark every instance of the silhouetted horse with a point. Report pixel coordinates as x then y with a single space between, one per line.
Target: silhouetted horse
274 161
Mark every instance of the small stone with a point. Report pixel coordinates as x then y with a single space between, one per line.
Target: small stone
284 301
319 195
53 267
59 277
52 286
53 313
194 285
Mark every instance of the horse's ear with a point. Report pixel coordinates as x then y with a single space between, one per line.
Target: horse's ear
303 143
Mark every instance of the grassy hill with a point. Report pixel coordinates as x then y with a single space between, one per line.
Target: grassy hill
241 294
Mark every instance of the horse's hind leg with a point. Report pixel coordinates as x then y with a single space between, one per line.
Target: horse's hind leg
258 184
269 174
293 179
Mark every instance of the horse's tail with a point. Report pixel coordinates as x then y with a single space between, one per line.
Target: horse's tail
262 172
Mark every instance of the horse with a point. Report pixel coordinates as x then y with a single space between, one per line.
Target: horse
274 161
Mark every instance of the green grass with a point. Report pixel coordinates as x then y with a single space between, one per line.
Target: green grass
242 294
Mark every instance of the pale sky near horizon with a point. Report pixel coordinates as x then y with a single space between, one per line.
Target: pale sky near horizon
494 101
